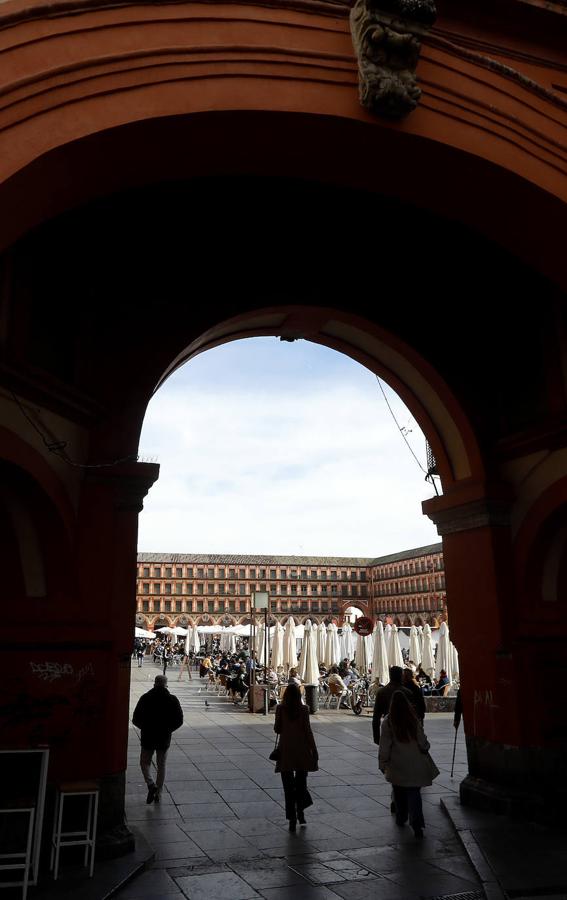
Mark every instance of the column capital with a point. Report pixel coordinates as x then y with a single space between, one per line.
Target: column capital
129 482
469 506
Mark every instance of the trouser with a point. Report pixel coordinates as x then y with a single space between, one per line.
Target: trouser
145 765
297 797
185 665
408 804
140 661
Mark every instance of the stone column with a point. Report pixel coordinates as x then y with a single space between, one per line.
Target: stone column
474 523
106 562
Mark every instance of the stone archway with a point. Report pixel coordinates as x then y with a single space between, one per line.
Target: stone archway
372 234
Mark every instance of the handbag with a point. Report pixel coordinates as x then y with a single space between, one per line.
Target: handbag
432 769
276 752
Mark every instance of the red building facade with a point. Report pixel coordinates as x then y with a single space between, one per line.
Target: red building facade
182 589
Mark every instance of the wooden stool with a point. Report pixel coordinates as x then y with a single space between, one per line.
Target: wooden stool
20 859
82 838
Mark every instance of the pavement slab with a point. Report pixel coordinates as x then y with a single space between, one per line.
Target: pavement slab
221 830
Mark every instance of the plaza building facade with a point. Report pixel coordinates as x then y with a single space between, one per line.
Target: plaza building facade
212 589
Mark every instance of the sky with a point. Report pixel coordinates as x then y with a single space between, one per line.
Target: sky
275 448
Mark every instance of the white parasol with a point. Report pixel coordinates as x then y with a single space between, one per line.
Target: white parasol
361 654
380 657
444 660
454 662
414 646
347 644
142 633
289 644
277 647
321 641
308 667
427 660
395 657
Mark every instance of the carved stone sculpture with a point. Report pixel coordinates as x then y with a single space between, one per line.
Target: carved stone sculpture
386 37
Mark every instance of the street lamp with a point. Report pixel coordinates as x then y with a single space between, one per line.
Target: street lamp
260 600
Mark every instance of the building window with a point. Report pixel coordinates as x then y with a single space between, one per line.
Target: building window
178 587
200 572
303 589
261 573
242 573
168 571
157 588
283 573
243 606
211 606
313 589
145 588
323 588
283 589
199 606
294 589
145 605
157 571
146 571
168 588
221 573
178 606
264 587
273 574
273 589
190 572
241 591
252 573
210 589
232 573
232 589
231 605
313 573
189 588
179 572
210 572
200 588
333 589
156 605
221 588
323 573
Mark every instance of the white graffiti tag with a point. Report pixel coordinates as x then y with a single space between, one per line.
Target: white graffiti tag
51 671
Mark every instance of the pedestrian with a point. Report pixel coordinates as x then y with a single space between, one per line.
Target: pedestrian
185 664
405 761
383 698
140 650
157 714
298 754
409 681
382 707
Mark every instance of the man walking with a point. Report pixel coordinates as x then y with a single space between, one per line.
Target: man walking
158 713
382 707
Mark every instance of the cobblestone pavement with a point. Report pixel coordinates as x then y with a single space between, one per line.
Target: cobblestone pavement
220 830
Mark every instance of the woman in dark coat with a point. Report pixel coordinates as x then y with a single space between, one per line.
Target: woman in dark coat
298 754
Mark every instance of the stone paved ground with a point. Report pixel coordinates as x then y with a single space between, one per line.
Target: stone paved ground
220 830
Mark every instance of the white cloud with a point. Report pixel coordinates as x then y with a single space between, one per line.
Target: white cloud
315 467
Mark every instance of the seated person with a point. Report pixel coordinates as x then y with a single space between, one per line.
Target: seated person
423 677
439 688
336 680
293 677
344 666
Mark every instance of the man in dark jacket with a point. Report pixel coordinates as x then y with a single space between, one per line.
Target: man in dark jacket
383 698
157 714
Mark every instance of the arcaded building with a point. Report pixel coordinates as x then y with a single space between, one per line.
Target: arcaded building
207 589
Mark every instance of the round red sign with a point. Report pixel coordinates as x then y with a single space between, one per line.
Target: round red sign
364 626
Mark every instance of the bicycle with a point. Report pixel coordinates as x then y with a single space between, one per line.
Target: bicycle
360 695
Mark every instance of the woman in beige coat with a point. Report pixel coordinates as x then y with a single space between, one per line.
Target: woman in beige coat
404 759
298 754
